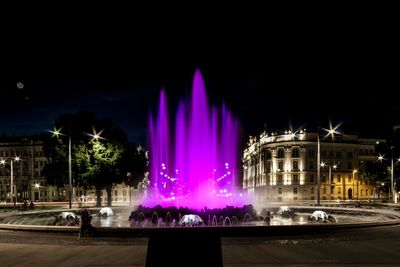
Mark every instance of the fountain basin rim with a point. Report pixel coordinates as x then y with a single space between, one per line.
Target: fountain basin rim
222 231
40 228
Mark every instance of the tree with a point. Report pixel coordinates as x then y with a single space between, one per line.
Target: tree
380 168
94 164
133 165
97 164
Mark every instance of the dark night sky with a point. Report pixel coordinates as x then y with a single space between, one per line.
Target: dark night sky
271 74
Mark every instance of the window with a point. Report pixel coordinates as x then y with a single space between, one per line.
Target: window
267 166
295 190
338 191
280 153
280 179
115 193
280 165
311 178
323 180
295 165
338 154
366 192
331 154
267 154
312 190
311 153
338 178
362 192
295 178
295 152
350 154
311 165
280 191
349 165
323 153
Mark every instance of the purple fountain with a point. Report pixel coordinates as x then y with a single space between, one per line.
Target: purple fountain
194 163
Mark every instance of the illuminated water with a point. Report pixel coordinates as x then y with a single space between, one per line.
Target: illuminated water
193 160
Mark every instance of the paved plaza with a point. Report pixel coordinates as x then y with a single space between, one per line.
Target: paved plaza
358 247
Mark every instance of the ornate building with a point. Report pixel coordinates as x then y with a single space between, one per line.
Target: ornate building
283 167
28 181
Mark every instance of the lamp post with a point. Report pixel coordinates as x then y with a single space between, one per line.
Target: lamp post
69 172
354 172
394 199
12 185
318 171
57 132
330 132
392 193
330 166
37 186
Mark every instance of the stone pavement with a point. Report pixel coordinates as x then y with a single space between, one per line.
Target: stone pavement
369 247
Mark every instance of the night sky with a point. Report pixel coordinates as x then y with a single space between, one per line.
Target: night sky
268 76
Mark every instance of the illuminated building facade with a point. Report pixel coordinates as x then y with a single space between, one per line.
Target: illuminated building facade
26 171
283 168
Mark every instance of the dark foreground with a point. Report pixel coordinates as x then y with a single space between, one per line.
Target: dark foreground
377 246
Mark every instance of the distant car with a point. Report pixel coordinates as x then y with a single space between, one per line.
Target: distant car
321 216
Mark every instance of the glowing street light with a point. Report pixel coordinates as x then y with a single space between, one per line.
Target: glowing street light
330 166
330 132
392 163
56 133
37 186
12 185
354 172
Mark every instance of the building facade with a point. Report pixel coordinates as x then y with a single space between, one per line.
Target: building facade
28 181
283 167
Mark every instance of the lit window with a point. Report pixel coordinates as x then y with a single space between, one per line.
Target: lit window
280 165
295 152
295 165
280 179
280 153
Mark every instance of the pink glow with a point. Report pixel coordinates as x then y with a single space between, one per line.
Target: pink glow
202 162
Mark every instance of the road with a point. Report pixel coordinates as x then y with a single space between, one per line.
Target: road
370 247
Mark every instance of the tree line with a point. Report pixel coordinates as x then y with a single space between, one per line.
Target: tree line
101 155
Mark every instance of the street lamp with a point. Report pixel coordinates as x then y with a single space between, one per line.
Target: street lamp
330 166
13 188
37 186
392 163
57 132
330 132
354 172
